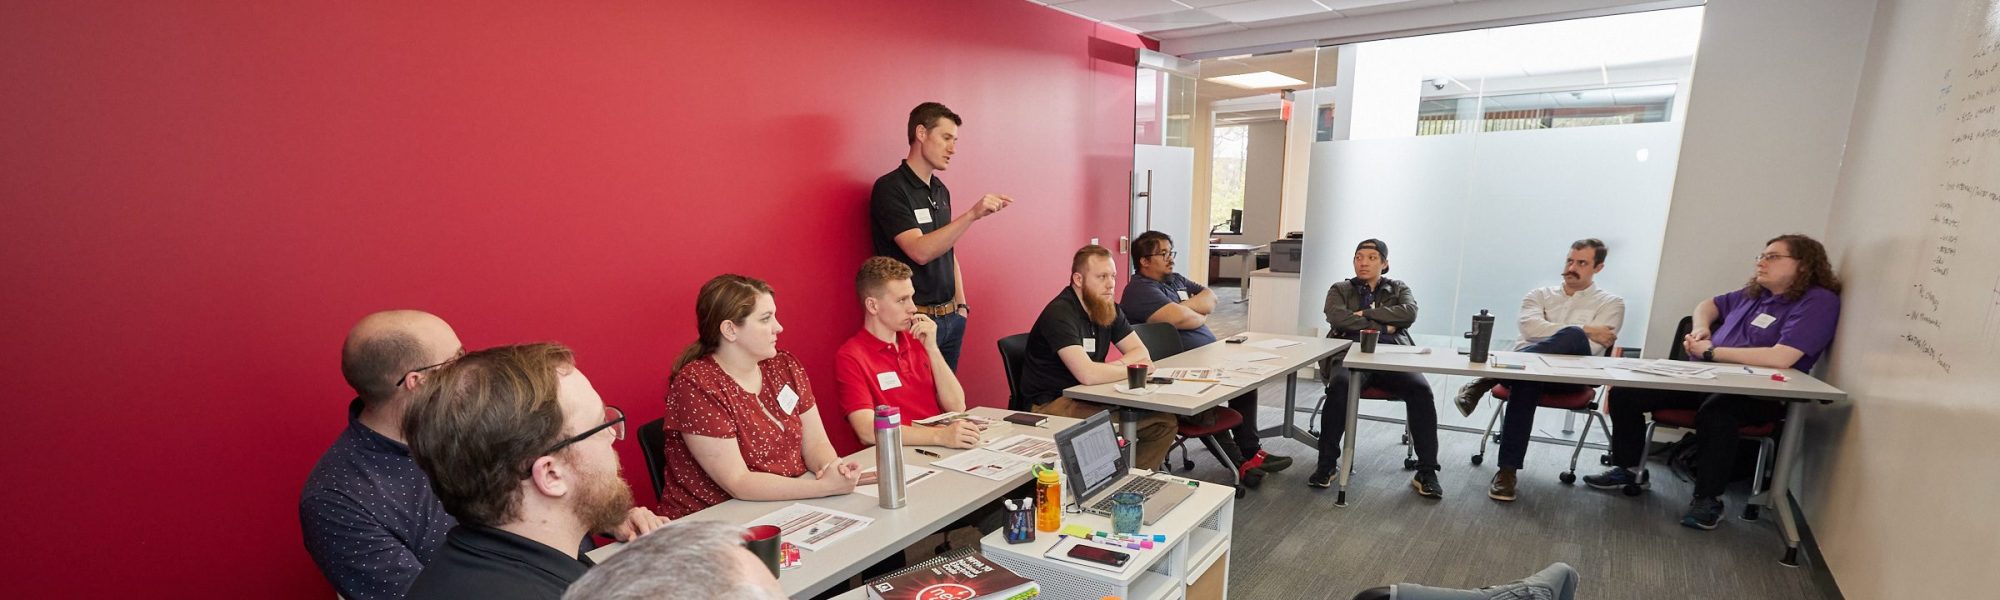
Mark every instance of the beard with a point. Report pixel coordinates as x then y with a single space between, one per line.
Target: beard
1101 310
604 502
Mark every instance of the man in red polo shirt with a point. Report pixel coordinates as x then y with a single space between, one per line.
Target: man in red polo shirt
894 360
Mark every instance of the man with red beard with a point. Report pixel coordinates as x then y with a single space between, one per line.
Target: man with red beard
1070 342
518 448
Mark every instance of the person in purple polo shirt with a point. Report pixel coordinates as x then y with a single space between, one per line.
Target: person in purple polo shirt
1783 318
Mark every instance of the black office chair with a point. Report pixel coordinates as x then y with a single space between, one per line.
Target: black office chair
1013 352
653 444
1161 339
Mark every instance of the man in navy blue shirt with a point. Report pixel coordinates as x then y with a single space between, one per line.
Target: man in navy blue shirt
368 515
1159 295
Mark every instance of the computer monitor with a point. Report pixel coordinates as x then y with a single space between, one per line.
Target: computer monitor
1236 220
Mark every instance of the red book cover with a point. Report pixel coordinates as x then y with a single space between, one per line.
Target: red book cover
962 575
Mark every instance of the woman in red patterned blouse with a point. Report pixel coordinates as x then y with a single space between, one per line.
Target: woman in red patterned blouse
741 421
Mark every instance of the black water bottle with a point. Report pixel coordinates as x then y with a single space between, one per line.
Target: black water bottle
1481 335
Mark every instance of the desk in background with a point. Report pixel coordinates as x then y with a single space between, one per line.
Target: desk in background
1306 353
1800 389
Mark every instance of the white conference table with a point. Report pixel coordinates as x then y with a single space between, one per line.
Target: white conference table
930 505
1307 352
1797 391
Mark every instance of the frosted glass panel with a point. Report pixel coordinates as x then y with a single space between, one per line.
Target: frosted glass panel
1475 221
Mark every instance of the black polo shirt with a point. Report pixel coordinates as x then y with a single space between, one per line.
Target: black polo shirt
1064 323
901 202
491 564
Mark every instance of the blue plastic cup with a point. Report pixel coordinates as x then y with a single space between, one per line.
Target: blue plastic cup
1127 510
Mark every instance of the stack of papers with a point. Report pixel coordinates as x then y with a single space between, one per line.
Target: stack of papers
912 475
1005 459
1189 374
814 528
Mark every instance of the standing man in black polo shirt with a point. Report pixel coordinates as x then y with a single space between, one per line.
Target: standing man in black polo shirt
910 221
518 447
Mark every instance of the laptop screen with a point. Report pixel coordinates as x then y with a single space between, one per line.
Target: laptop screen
1091 456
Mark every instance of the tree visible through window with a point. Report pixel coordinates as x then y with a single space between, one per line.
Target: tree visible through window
1225 192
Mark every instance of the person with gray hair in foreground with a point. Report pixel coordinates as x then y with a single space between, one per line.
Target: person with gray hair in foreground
684 559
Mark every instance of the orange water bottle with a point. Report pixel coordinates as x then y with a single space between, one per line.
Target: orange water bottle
1048 499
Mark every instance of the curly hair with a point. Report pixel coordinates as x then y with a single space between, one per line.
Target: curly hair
1815 268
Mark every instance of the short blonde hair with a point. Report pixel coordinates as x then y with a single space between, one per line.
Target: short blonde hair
876 273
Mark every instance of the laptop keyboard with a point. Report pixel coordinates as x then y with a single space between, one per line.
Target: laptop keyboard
1144 486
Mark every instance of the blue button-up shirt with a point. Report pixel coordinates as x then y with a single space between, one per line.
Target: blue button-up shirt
368 514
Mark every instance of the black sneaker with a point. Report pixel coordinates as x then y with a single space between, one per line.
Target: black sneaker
1612 479
1703 513
1271 463
1322 478
1468 396
1426 484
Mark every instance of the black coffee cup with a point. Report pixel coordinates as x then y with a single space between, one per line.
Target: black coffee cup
762 540
1135 376
1368 339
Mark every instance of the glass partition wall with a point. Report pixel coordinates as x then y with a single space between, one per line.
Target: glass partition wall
1479 156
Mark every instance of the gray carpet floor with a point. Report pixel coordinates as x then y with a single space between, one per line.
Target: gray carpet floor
1292 542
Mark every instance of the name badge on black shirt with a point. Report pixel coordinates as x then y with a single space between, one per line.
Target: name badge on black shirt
1090 345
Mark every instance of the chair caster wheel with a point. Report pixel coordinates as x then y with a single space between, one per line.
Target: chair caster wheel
1409 464
1633 490
1478 458
1187 464
1750 512
1567 477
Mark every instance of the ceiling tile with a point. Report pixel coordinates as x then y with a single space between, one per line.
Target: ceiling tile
1196 31
1171 21
1119 10
1377 8
1265 10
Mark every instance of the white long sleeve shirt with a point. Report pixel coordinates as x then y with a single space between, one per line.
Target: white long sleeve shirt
1544 311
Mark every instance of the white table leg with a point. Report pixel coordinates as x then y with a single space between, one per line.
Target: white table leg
1781 479
1347 441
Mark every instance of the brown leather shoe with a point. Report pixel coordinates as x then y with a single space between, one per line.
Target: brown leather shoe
1502 488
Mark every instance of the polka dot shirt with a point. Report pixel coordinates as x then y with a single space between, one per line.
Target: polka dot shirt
705 401
368 515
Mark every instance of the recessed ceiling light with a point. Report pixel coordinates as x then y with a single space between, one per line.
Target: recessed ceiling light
1257 80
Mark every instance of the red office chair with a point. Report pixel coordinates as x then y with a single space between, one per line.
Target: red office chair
1585 400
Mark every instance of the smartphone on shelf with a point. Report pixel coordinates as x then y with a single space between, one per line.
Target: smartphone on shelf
1098 555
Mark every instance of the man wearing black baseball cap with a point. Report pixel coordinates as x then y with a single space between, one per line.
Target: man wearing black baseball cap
1371 301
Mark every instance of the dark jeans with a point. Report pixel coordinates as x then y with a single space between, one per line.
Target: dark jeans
1410 388
1717 419
950 334
1246 433
1524 396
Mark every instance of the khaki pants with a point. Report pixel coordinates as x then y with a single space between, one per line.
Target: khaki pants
1156 430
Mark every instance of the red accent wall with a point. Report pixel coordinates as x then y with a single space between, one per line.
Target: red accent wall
200 198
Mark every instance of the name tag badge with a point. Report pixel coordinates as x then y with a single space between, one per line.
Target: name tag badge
1182 294
923 216
888 380
788 399
1089 344
1762 321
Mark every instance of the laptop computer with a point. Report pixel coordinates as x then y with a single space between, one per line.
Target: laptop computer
1097 469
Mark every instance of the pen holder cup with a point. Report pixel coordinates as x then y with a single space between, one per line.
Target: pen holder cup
1020 526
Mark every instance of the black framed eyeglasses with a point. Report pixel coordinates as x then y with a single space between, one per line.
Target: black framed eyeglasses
614 420
406 374
1170 254
1771 256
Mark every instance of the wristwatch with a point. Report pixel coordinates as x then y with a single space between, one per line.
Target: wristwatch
1709 354
966 308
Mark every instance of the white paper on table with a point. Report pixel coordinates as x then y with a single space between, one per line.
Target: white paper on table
813 528
1676 368
1610 362
946 418
1745 370
1395 349
1272 344
1027 446
911 476
1185 388
1570 362
1574 371
1252 356
1191 373
985 463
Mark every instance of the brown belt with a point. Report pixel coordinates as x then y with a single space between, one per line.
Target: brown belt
938 310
